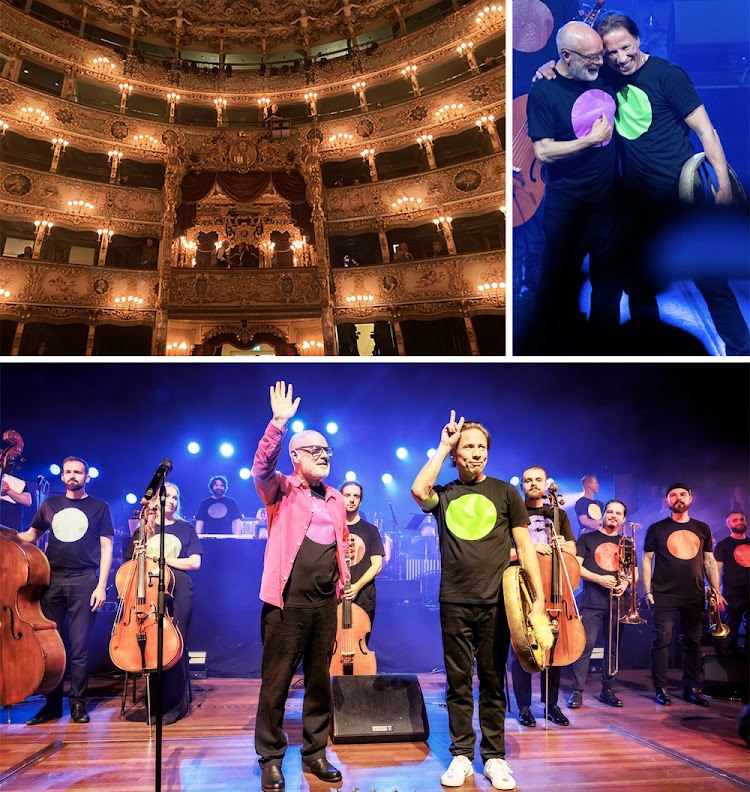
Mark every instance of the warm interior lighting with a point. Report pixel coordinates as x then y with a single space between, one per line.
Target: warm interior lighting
407 202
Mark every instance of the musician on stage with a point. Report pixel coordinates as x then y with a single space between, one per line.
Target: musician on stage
599 556
182 554
533 481
304 568
677 553
218 514
80 542
478 518
368 552
733 562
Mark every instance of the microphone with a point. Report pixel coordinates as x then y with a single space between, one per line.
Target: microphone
40 480
165 466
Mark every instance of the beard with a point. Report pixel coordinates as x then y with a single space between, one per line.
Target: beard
74 486
678 508
581 72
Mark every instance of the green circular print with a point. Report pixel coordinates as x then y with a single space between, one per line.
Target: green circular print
471 517
634 113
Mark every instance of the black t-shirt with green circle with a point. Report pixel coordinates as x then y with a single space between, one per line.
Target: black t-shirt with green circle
474 528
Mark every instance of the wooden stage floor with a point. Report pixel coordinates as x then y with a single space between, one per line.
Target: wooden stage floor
642 746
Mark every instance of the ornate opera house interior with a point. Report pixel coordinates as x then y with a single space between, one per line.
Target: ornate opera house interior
219 177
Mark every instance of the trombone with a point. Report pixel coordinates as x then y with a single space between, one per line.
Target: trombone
626 570
717 628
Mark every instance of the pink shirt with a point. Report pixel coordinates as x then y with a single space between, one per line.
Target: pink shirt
290 513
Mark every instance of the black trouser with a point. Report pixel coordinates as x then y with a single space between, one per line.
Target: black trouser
593 622
691 626
290 635
737 608
475 632
522 683
69 595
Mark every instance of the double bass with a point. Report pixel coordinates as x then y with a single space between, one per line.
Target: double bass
561 574
350 653
133 646
32 653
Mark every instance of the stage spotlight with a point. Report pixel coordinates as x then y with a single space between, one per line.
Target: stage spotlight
402 453
515 481
54 469
430 453
245 473
193 448
94 472
350 476
131 498
386 478
332 427
298 426
226 449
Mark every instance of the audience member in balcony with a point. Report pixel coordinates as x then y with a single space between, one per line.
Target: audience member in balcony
58 255
402 253
350 261
438 248
150 254
28 251
338 183
221 258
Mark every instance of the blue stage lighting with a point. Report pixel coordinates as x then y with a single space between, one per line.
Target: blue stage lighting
350 476
430 453
55 469
515 481
298 426
386 478
226 449
245 473
402 453
131 498
332 427
193 447
94 472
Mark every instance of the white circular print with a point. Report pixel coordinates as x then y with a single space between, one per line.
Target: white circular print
70 524
217 510
172 546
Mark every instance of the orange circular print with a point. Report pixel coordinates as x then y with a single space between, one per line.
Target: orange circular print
683 544
742 555
607 556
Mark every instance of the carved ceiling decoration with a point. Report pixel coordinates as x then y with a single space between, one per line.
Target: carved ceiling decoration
259 23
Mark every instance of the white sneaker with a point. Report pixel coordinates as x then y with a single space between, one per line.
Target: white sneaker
500 774
459 770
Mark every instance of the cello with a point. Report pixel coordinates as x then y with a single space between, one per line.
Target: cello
561 574
32 653
133 646
350 653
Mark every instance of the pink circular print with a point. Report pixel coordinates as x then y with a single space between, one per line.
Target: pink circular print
589 106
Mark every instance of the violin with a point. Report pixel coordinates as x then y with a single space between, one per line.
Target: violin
561 574
32 653
133 646
10 457
350 653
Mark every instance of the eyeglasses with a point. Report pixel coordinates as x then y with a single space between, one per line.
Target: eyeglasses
588 58
316 451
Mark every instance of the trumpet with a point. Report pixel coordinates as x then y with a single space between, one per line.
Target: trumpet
626 570
716 627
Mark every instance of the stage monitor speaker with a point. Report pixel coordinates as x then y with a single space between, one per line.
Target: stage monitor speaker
378 708
726 676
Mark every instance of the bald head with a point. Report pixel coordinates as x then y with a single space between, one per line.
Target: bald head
310 456
308 437
578 36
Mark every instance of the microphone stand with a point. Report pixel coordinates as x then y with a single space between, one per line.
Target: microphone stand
396 541
160 608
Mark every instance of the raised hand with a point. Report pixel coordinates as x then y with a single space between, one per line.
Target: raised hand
451 431
283 404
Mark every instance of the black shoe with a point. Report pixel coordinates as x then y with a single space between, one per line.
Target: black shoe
322 769
78 714
609 697
694 696
525 718
43 716
272 779
555 714
576 699
662 697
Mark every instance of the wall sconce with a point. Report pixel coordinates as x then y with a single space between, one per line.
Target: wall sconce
114 158
58 146
3 128
187 253
449 111
341 140
410 73
43 228
125 90
310 348
301 253
444 226
368 156
503 208
145 142
466 50
177 348
80 208
103 65
359 90
4 293
407 203
34 115
172 98
489 16
128 304
360 298
266 252
220 105
487 124
312 103
264 104
493 287
103 235
425 143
